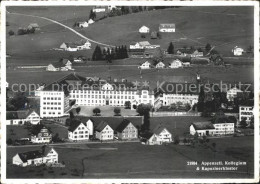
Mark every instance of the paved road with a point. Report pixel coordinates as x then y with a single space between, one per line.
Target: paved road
63 25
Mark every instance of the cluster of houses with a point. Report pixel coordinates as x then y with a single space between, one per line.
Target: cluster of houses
170 28
77 46
176 63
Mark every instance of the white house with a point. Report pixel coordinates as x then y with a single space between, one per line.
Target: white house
40 134
223 126
83 24
145 65
196 53
176 63
73 47
202 128
152 139
140 45
62 65
246 111
104 132
167 28
78 131
237 51
232 93
98 9
20 117
126 130
160 65
91 21
37 157
163 133
144 29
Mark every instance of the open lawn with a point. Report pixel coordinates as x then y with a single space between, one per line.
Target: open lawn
134 160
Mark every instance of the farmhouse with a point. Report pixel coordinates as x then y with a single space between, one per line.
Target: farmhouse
152 139
90 21
140 45
126 130
98 9
79 131
37 157
144 29
232 93
169 93
34 26
167 28
196 53
40 134
237 51
202 128
160 65
175 64
83 24
145 65
72 47
104 132
62 65
246 111
20 117
163 133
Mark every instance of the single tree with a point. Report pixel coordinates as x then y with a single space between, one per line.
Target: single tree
9 141
117 111
127 105
78 109
170 49
96 111
176 139
71 115
207 47
243 123
11 33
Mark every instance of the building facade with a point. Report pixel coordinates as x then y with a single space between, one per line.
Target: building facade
20 117
175 64
126 130
41 135
78 131
167 28
104 132
144 29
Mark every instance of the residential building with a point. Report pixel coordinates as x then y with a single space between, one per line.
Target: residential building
99 9
83 24
78 60
40 134
223 126
202 128
144 29
145 65
62 65
34 26
90 21
126 130
72 47
167 27
152 139
104 132
163 133
78 131
246 111
140 45
20 117
169 93
176 63
37 157
237 51
196 53
160 65
232 93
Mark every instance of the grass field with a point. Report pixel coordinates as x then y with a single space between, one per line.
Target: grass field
133 160
223 30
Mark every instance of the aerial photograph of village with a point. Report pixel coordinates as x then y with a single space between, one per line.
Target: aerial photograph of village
129 92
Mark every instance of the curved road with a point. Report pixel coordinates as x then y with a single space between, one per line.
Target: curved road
73 30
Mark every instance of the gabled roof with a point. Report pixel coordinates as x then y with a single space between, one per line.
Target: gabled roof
74 125
144 27
144 43
101 126
224 119
248 103
158 129
123 125
30 155
37 129
18 114
47 150
147 135
203 125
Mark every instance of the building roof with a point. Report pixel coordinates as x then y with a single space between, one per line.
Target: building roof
248 103
167 26
37 129
158 129
18 114
203 125
101 126
123 125
74 125
34 154
144 43
224 119
147 135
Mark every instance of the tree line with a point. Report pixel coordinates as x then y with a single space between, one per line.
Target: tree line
109 54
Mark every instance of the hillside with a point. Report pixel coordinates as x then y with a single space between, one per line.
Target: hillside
195 26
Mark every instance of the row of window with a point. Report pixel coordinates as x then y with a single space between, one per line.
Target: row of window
103 92
52 108
59 113
102 96
51 98
51 103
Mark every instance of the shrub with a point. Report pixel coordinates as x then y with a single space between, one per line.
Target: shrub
11 33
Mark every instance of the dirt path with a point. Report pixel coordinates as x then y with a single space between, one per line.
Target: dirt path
67 27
